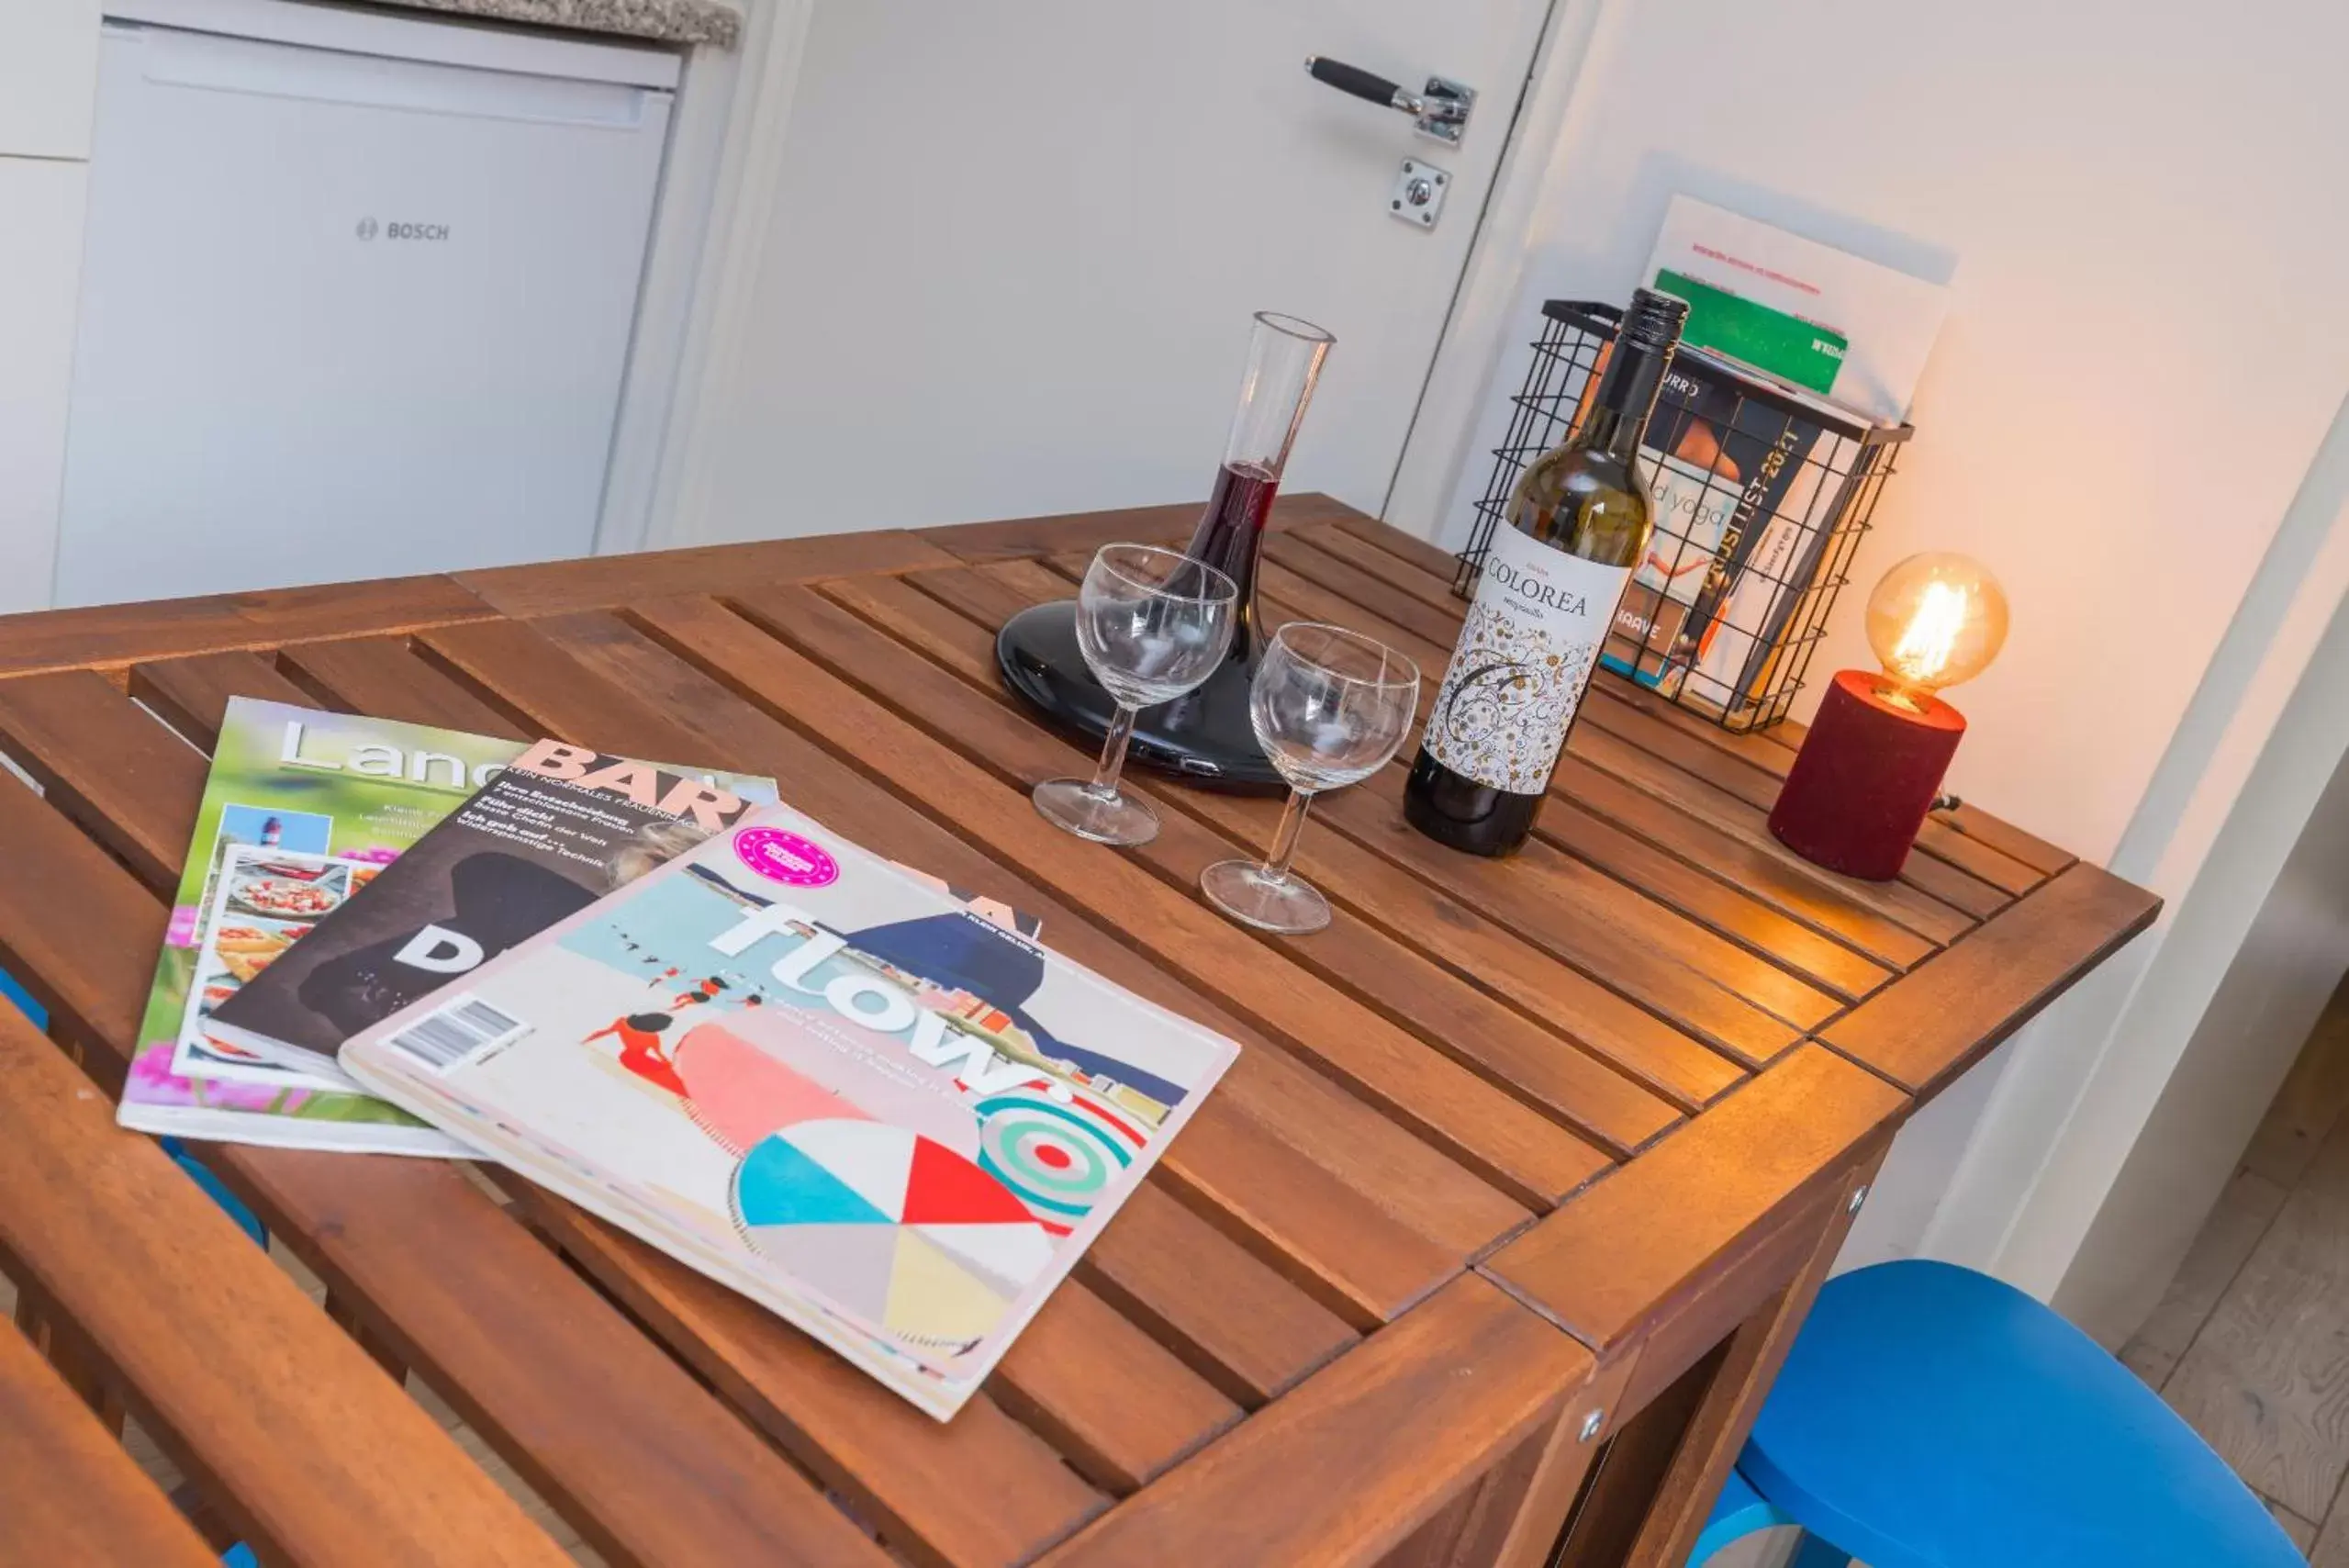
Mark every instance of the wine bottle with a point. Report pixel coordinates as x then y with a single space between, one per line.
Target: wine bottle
1578 525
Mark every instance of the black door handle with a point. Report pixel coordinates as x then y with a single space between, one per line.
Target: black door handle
1441 109
1362 84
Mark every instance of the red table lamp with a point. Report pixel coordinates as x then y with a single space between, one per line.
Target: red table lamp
1873 763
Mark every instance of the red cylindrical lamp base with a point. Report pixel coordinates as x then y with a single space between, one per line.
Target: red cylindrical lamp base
1867 774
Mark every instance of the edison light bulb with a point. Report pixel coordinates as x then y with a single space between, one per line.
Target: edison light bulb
1934 621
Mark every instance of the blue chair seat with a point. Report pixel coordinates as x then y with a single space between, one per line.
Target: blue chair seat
1929 1416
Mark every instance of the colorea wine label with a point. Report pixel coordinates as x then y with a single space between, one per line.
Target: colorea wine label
1525 652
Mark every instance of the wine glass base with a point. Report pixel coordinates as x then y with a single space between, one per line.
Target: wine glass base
1290 904
1071 804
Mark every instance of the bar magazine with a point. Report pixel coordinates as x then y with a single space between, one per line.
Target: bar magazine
556 830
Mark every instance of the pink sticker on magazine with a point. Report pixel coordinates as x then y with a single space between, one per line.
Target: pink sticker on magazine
786 857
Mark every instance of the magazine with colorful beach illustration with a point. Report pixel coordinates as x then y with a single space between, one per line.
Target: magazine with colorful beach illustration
557 829
819 1080
300 809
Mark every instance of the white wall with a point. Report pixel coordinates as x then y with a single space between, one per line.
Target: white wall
49 51
2293 955
2138 208
40 255
48 72
2071 1140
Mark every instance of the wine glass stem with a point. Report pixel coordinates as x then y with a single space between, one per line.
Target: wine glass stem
1284 837
1112 762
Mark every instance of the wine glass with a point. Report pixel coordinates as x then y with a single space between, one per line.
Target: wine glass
1152 625
1329 707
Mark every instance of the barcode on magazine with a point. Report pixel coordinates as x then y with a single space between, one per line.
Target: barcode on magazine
456 1033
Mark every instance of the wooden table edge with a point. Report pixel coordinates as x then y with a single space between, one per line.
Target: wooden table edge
2065 928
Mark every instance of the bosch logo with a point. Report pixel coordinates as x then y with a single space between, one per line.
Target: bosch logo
369 228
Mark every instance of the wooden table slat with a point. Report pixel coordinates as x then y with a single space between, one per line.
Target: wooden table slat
114 634
1542 1164
1377 971
1332 542
1226 1313
1454 1109
68 1491
976 1491
1454 1208
383 677
1940 839
1979 825
594 582
2006 858
596 1417
1638 904
192 694
1911 906
1761 875
1752 770
1929 873
76 928
1437 622
1954 1010
299 1439
1416 912
1772 750
2011 861
1301 598
1465 1010
1310 1174
1118 1405
1019 538
1635 717
57 727
1364 1451
1410 547
1024 538
1743 1003
1719 906
1117 1434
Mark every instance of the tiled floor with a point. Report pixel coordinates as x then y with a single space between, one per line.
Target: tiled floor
2251 1343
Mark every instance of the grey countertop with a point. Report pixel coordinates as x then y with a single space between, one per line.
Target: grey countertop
671 21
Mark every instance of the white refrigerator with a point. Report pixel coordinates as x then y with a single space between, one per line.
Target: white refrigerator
357 296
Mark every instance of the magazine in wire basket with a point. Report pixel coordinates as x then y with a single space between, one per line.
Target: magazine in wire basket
1762 492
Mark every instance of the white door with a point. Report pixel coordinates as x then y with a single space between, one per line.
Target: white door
1012 252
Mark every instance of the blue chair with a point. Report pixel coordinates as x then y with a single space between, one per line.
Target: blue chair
1929 1416
216 1190
14 992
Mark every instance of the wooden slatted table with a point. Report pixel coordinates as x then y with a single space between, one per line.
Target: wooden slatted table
1524 1177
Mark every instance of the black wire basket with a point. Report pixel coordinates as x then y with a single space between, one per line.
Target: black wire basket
1761 494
